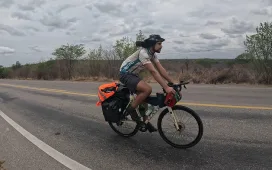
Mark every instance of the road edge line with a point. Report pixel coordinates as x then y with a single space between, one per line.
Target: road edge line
61 158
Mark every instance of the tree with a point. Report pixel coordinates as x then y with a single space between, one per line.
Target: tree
95 54
16 66
241 59
3 72
69 53
259 49
125 46
94 57
140 36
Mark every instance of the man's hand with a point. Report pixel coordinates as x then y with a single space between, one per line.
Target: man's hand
170 89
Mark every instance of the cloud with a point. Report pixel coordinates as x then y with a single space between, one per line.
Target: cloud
203 46
210 23
267 2
219 43
64 7
191 28
11 30
208 36
26 7
178 42
21 15
93 38
54 21
6 3
115 8
198 42
107 7
31 5
264 11
6 50
235 35
32 28
89 6
151 30
238 27
214 45
35 48
203 12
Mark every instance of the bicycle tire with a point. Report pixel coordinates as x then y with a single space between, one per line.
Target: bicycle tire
190 111
134 132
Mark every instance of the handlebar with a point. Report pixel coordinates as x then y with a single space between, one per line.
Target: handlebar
178 86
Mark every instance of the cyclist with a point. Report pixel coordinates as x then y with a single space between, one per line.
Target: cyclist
144 58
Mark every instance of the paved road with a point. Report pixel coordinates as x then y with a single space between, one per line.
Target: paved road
70 123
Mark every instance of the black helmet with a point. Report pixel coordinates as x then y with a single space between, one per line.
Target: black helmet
155 38
150 41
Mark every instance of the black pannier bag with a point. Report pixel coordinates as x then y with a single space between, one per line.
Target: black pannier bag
114 106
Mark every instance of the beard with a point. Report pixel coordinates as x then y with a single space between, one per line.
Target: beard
158 50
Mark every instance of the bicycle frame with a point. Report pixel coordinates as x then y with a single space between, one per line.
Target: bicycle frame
157 104
155 110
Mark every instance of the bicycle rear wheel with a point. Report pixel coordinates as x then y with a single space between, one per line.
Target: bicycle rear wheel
182 126
133 130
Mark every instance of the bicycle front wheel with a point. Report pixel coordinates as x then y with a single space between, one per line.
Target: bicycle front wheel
184 127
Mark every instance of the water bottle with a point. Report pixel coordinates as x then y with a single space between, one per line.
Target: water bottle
142 110
149 110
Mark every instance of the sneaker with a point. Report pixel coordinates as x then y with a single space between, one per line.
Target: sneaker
135 117
150 127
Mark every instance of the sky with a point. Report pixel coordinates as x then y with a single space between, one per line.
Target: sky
30 30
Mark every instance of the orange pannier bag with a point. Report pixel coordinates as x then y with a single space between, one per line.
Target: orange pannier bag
105 91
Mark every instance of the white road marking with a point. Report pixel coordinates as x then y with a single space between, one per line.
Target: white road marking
66 161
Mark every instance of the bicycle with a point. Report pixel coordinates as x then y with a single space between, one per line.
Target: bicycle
114 109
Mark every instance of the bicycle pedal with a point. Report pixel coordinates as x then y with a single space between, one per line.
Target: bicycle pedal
142 128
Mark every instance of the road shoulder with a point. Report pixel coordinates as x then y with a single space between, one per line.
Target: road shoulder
18 153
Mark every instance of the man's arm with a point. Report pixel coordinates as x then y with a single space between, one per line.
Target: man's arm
163 72
156 75
144 58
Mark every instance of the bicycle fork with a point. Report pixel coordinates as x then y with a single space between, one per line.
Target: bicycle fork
174 117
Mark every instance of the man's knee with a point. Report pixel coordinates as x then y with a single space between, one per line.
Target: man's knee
143 87
148 89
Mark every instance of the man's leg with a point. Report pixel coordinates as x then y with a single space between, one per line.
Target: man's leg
143 91
136 85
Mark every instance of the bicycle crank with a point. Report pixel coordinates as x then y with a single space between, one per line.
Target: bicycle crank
143 128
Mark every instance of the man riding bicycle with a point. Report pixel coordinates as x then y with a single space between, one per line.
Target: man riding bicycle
144 58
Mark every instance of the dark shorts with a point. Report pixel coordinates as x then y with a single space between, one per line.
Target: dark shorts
130 80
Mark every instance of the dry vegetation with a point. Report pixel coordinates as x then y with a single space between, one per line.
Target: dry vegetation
197 71
1 165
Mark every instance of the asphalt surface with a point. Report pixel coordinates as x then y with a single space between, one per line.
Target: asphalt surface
72 124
